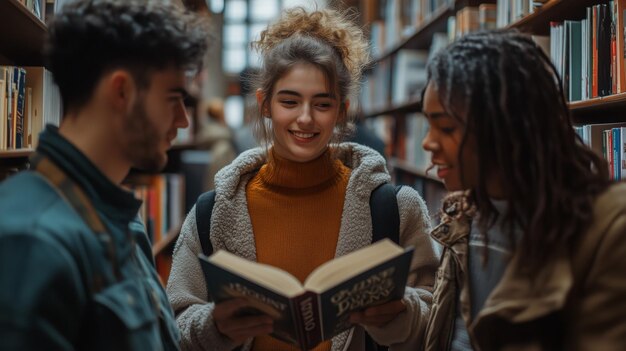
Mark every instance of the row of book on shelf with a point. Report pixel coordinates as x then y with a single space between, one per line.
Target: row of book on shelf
29 100
589 53
163 206
403 137
401 80
398 81
609 141
510 11
397 19
37 7
394 20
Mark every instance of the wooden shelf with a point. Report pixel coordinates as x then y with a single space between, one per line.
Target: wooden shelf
169 239
607 109
414 105
409 168
598 102
538 22
422 35
19 153
22 36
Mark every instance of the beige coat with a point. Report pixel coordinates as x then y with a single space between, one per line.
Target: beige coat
576 302
232 230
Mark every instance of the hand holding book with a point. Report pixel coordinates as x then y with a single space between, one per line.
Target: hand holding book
306 314
237 327
378 316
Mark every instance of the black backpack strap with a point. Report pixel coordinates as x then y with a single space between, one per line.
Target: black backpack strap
385 213
385 224
204 210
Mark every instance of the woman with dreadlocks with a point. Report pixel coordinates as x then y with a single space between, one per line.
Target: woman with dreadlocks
533 232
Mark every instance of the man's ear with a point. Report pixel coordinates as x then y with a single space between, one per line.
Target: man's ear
121 90
260 100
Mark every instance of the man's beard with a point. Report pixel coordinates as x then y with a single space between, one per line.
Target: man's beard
144 140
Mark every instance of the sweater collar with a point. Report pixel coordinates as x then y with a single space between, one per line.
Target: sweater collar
283 172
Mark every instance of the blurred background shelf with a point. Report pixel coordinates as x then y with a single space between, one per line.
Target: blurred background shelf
22 34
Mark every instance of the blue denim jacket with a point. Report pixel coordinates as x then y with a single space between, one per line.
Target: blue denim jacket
50 298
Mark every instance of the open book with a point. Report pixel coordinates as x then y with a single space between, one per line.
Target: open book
305 315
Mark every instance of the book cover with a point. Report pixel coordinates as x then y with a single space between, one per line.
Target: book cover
307 314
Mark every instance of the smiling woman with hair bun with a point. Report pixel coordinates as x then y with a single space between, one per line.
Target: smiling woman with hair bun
302 198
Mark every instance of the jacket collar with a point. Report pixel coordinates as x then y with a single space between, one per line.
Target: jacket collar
519 297
456 219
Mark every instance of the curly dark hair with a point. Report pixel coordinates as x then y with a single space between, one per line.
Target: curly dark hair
86 39
507 93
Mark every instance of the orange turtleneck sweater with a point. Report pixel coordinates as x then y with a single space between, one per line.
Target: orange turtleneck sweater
296 209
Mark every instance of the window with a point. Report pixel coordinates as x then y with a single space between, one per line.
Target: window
244 20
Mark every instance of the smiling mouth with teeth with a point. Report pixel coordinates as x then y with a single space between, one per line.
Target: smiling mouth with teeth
303 135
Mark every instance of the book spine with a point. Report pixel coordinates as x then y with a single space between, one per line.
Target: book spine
613 50
19 121
309 320
294 306
3 105
594 92
616 154
623 153
9 125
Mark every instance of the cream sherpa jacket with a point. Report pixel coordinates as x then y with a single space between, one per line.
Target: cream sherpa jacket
231 230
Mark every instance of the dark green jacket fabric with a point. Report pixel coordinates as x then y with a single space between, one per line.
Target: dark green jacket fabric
48 257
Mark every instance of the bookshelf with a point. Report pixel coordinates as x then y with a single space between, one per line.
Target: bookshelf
16 154
169 239
421 36
413 105
407 167
606 109
554 10
23 44
598 110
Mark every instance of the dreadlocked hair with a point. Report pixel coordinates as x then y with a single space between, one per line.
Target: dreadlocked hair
328 39
506 91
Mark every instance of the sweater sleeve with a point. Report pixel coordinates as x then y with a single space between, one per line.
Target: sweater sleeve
407 330
188 295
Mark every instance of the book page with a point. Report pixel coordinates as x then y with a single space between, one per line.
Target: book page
340 269
267 276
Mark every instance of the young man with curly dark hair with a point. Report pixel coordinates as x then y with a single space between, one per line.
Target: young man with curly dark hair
76 271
